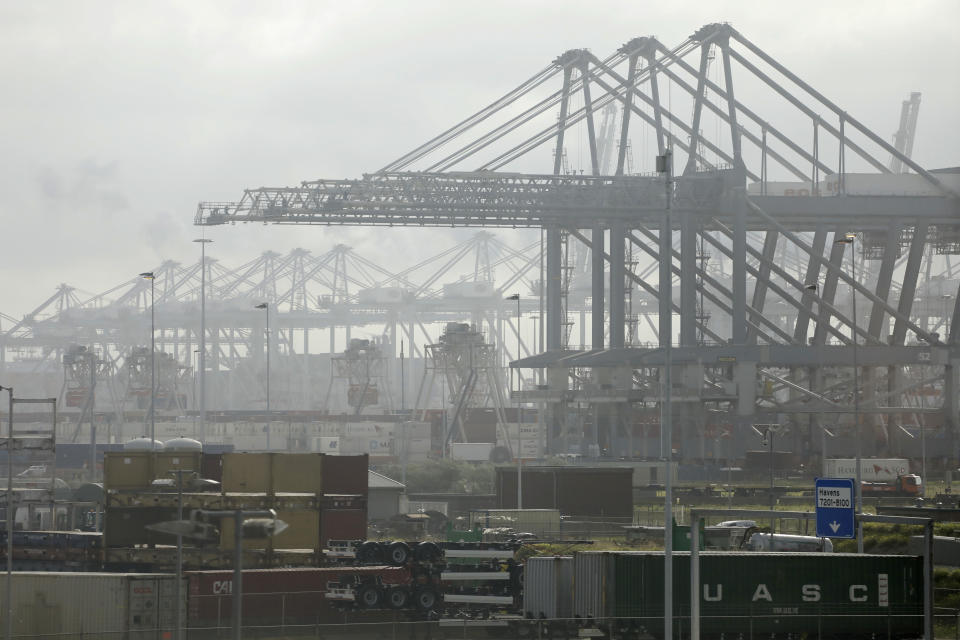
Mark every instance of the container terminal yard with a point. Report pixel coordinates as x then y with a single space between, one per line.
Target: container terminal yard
490 442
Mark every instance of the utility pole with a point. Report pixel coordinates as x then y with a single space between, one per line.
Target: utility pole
203 336
11 511
665 166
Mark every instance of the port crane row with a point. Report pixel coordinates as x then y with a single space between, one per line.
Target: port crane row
744 361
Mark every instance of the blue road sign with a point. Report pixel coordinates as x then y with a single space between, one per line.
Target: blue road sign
835 505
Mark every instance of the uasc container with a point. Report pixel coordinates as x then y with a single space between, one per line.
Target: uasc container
837 595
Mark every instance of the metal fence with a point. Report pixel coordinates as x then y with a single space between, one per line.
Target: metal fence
359 627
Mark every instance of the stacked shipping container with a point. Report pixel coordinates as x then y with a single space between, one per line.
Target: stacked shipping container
834 594
320 497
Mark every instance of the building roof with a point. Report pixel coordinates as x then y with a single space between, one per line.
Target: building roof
379 481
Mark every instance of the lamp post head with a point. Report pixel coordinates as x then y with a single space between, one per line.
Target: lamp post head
847 238
515 296
147 275
262 305
203 240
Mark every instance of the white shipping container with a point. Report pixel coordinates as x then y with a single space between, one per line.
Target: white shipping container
327 444
781 188
75 606
871 469
471 451
888 184
594 578
548 587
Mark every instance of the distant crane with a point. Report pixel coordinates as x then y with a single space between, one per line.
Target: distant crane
903 138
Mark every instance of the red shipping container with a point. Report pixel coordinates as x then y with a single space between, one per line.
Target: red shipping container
272 597
343 524
345 474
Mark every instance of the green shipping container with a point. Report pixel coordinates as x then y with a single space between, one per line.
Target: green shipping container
775 593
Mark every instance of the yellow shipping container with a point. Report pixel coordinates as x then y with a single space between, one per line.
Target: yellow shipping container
125 470
166 461
297 473
246 473
302 532
273 473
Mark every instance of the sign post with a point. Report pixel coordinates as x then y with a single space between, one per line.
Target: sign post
835 508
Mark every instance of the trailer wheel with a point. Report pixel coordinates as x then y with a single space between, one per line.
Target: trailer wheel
369 552
428 552
397 597
398 553
368 596
425 599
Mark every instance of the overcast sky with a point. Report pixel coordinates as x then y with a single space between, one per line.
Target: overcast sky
118 117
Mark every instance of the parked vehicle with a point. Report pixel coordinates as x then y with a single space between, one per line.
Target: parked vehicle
907 485
785 542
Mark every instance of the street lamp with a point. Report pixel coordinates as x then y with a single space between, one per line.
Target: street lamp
249 523
266 311
665 166
148 275
11 511
179 473
767 432
516 297
849 238
203 336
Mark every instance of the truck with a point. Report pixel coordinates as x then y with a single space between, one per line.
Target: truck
878 476
906 485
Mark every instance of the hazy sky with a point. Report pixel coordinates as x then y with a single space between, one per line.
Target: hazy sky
118 117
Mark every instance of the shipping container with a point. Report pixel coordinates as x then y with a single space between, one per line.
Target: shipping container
833 594
871 469
246 472
593 492
273 472
345 474
127 526
126 470
75 606
274 597
211 466
132 470
343 523
166 461
297 472
548 587
592 583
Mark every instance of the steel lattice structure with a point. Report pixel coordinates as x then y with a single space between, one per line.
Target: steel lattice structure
766 329
317 301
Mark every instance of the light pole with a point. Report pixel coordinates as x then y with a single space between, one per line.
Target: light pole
259 527
516 297
665 166
11 510
266 310
849 238
256 523
179 473
148 275
815 288
203 336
